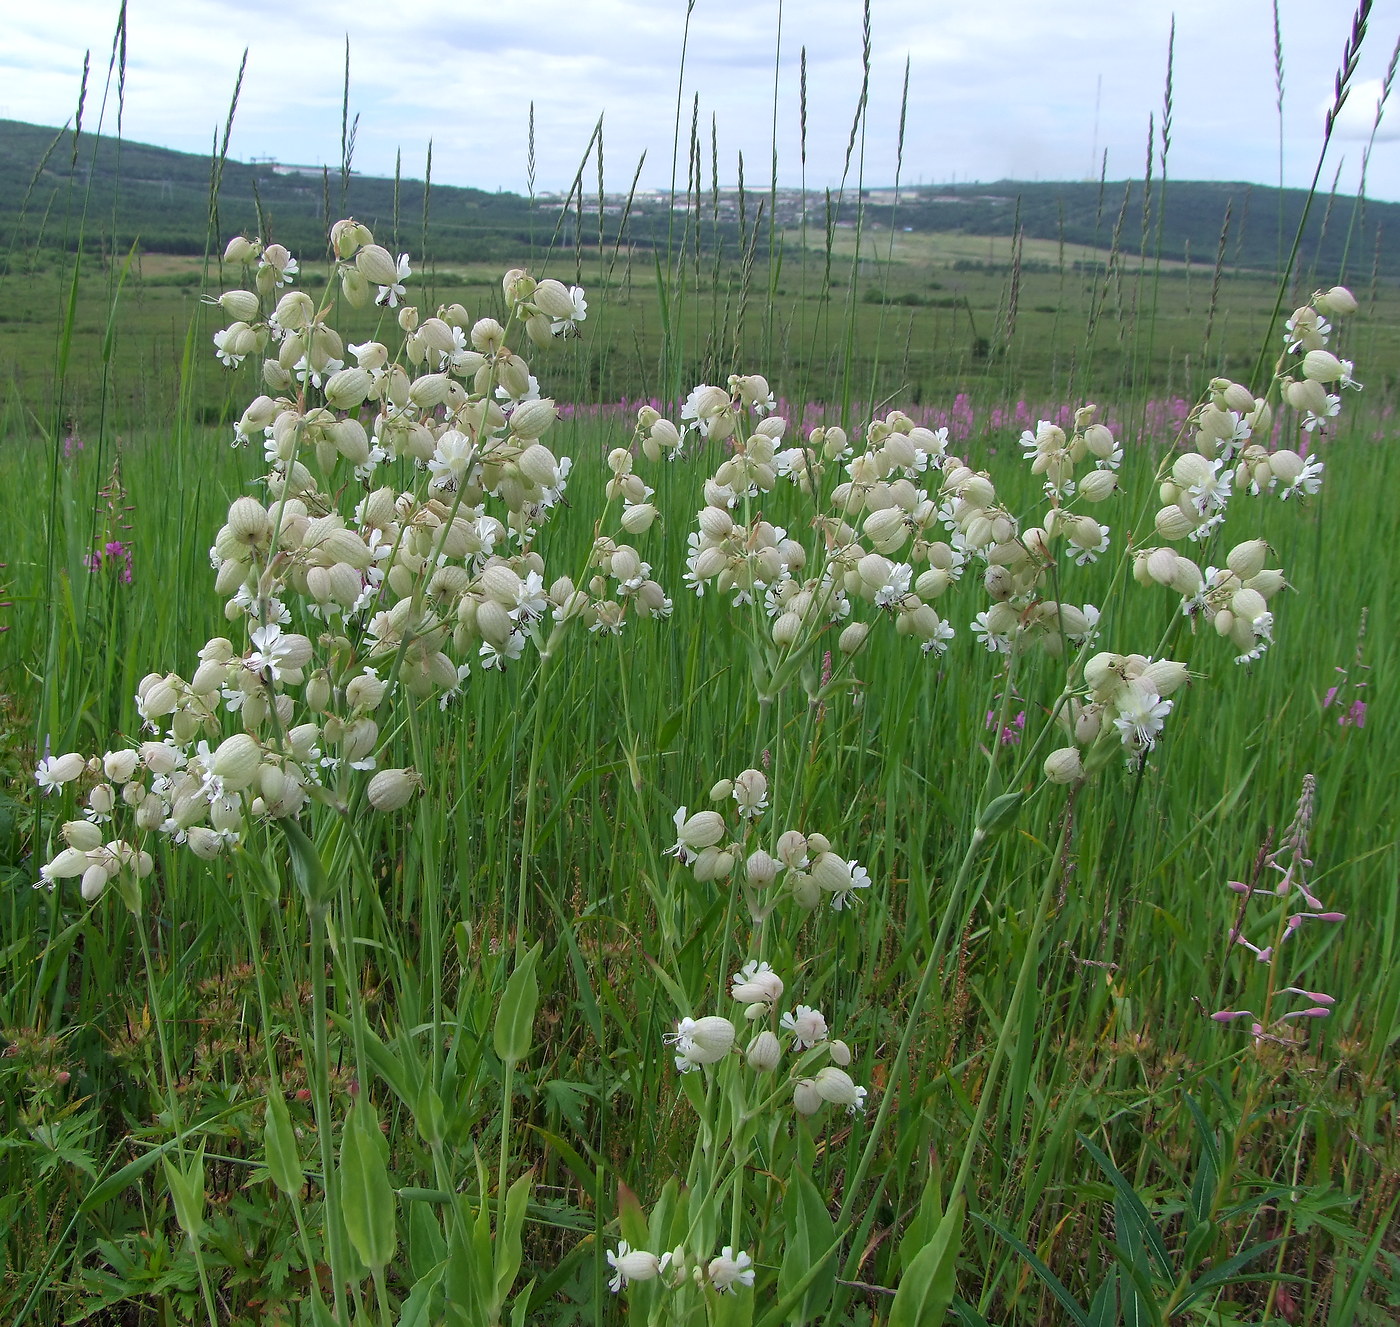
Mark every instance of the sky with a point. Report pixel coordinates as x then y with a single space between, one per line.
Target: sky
997 89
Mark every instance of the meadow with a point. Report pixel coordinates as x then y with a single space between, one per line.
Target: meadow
899 828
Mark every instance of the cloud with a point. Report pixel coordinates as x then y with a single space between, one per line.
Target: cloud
996 88
1357 118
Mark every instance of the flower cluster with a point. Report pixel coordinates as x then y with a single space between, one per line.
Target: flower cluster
710 1040
726 1270
1123 707
801 865
347 591
1234 599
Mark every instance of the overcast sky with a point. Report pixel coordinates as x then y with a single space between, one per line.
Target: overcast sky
1026 89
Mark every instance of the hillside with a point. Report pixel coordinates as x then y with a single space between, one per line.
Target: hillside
161 197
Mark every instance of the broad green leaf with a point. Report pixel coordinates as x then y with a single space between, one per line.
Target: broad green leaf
515 1019
280 1147
926 1289
366 1198
186 1186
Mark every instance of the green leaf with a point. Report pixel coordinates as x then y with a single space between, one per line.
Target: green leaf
1132 1210
307 869
1344 1306
417 1309
999 814
515 1019
366 1198
1052 1282
280 1147
810 1229
926 1289
508 1243
1103 1312
427 1114
187 1192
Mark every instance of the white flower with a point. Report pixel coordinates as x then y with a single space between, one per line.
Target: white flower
836 1086
270 649
807 1026
1308 481
894 589
701 1041
1141 713
860 879
563 326
391 293
497 656
631 1264
756 983
1211 495
938 642
222 342
1083 555
730 1269
54 771
751 793
995 642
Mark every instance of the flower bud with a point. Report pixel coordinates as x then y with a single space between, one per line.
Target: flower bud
840 1052
377 266
347 388
852 638
1098 485
391 789
1173 523
764 1052
94 881
1338 300
760 869
1322 366
1064 765
1308 396
82 835
806 1100
204 842
236 761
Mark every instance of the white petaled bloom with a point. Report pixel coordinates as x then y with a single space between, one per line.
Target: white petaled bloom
54 771
730 1269
701 1041
896 587
1211 493
1141 713
223 347
837 1087
1313 419
860 879
563 326
807 1026
995 641
751 793
394 291
270 649
756 983
1307 481
631 1264
702 830
497 656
